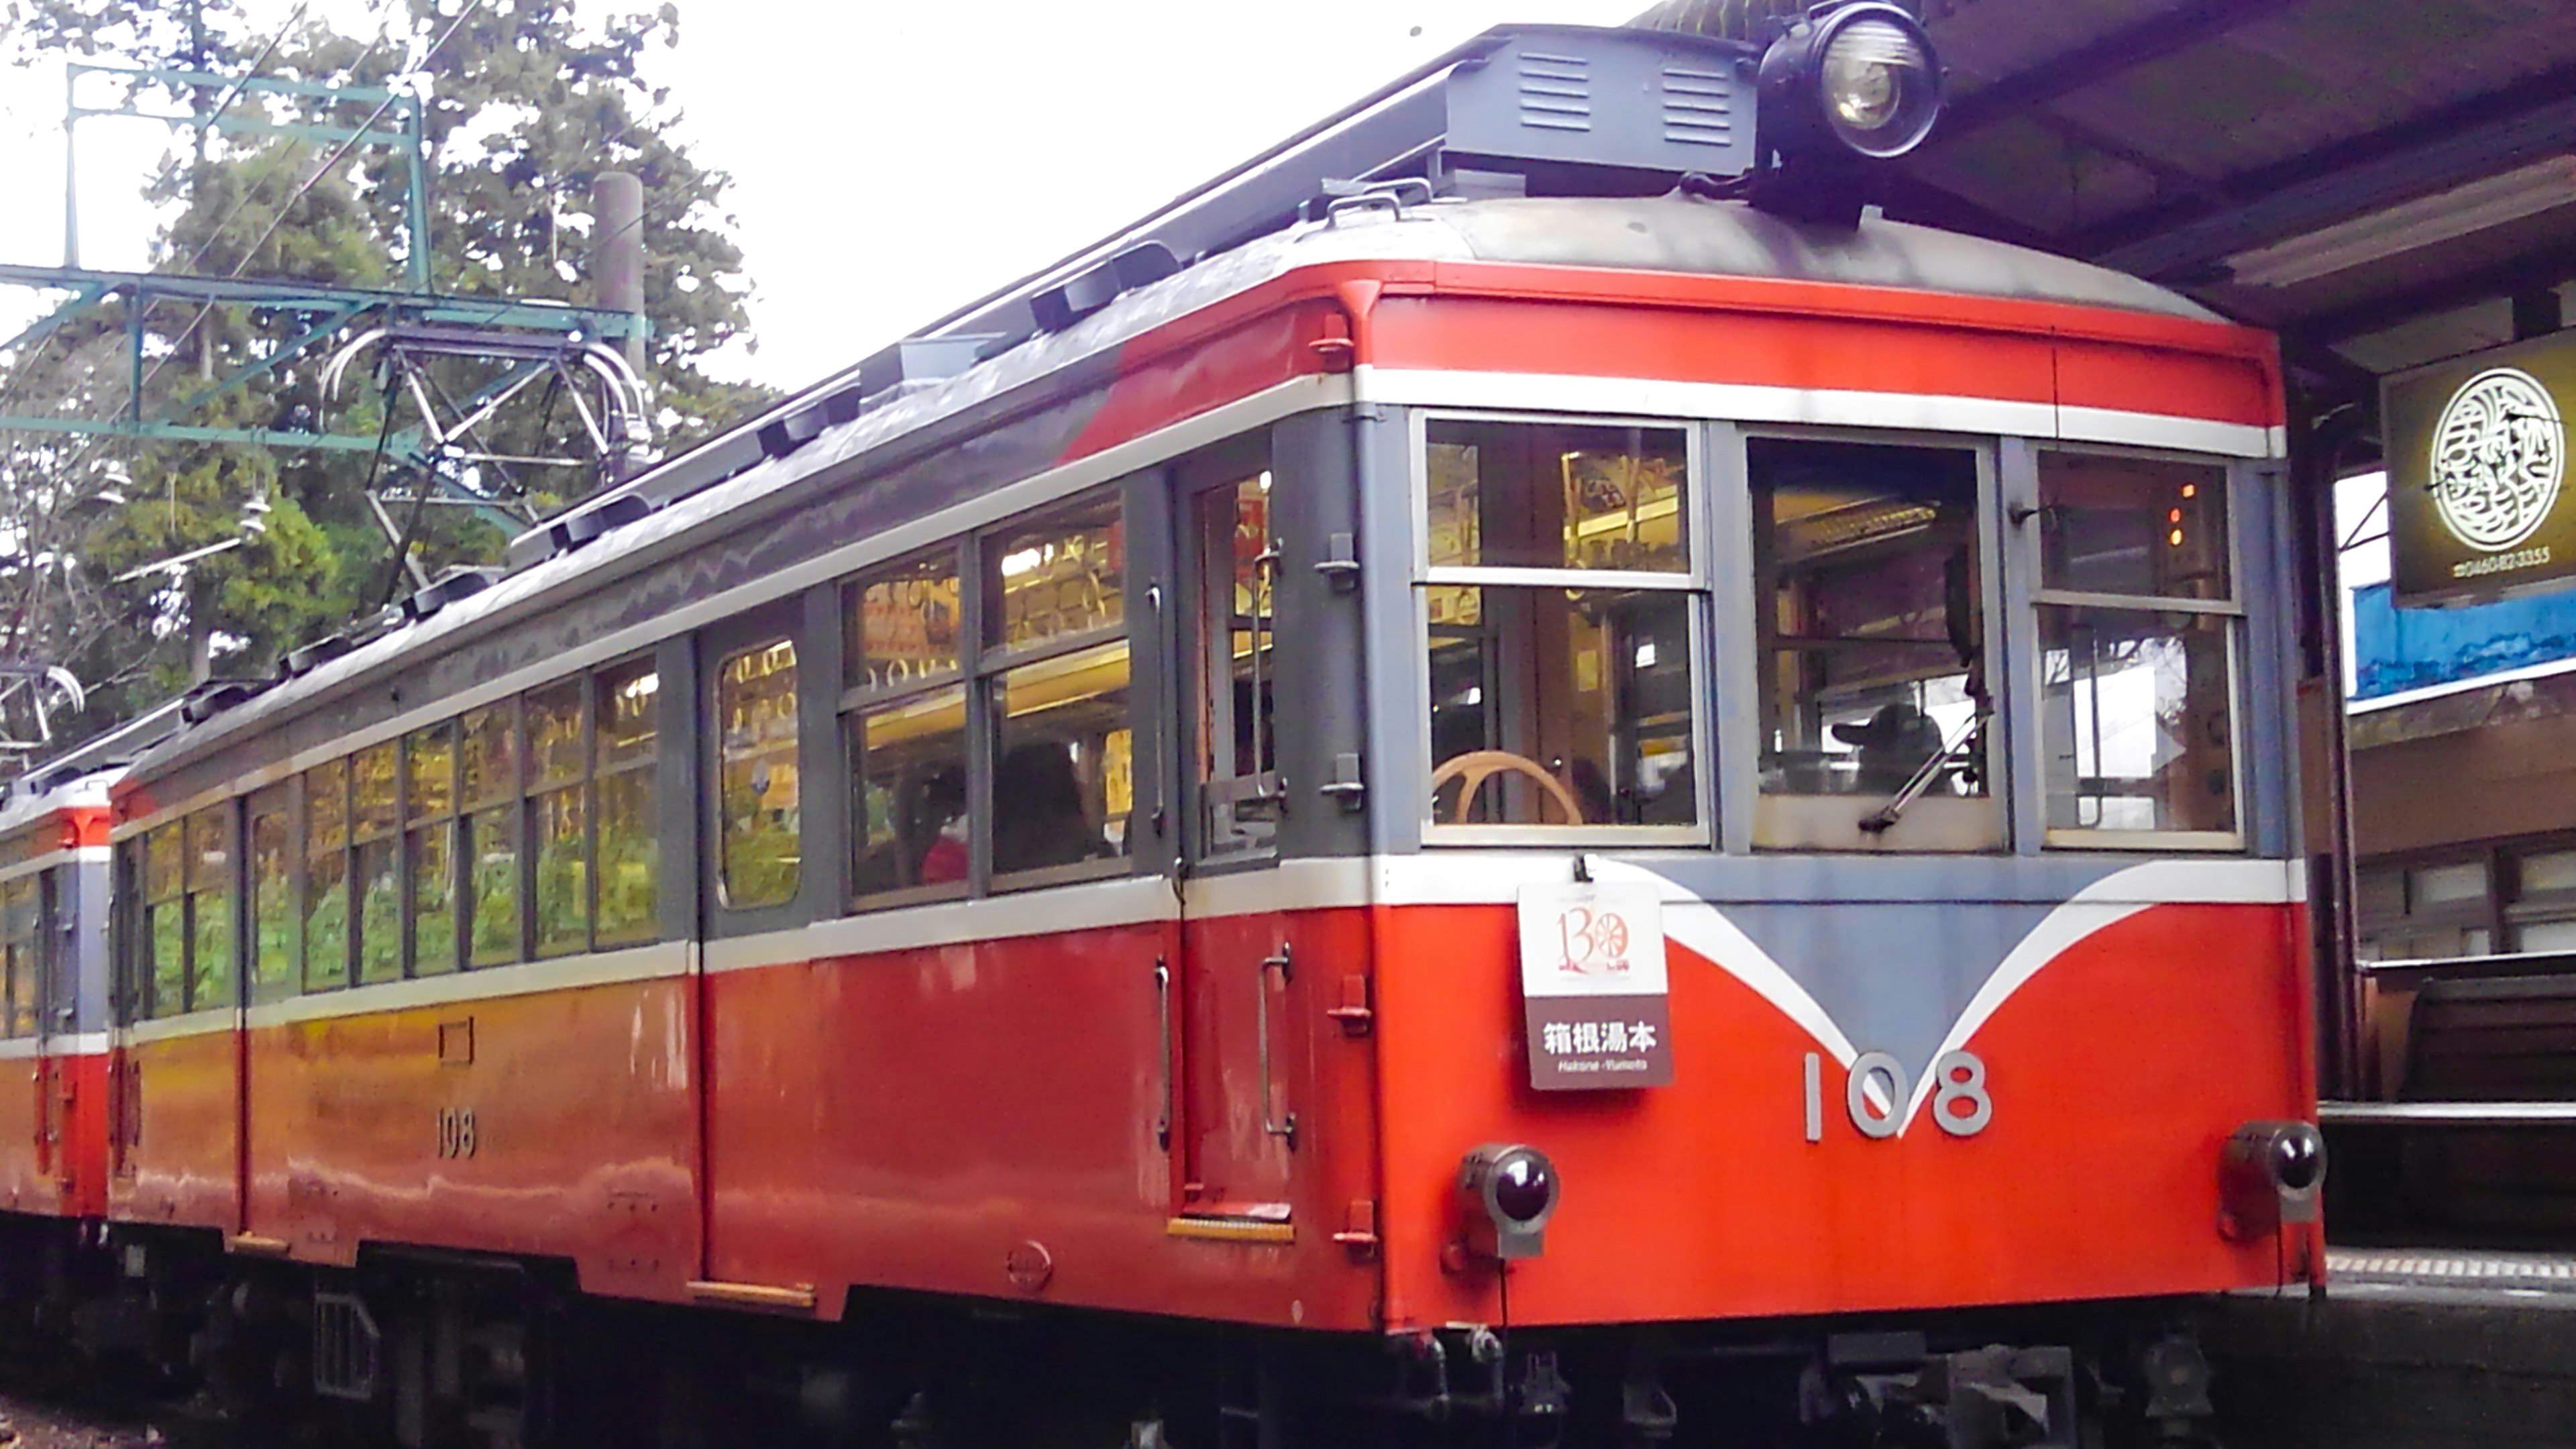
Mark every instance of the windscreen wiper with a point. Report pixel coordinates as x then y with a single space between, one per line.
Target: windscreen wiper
1884 818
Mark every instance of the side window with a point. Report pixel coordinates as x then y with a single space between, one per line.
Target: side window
1234 736
903 722
276 926
1557 585
1869 610
164 977
488 767
626 711
1056 668
558 817
2138 631
326 876
210 907
375 825
21 941
429 847
757 810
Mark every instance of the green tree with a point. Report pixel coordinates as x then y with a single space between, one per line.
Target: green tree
527 104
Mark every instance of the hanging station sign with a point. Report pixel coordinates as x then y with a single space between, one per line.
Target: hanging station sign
1596 1000
2478 492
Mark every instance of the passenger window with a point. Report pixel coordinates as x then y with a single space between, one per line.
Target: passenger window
326 876
1870 617
21 936
1557 496
627 702
165 931
2138 629
557 820
488 781
903 723
758 851
210 908
274 925
1060 579
1063 745
1236 738
375 822
429 786
1560 696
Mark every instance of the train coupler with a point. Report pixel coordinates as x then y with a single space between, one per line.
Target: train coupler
1870 1389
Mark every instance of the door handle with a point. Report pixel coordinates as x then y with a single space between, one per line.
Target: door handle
1163 1016
1283 1128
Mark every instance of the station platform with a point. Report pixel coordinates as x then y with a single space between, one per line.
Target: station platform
2410 1348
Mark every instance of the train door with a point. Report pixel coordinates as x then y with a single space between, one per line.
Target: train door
1235 1122
56 1046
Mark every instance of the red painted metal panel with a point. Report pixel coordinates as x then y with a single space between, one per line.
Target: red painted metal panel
182 1106
2116 1074
915 1118
581 1144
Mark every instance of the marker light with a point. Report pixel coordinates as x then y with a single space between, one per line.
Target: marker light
1514 1189
1863 76
2269 1174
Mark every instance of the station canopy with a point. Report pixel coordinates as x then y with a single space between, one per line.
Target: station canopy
2383 182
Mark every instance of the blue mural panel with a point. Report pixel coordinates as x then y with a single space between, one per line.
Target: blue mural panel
2395 650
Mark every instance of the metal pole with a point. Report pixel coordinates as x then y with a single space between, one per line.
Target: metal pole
617 255
71 169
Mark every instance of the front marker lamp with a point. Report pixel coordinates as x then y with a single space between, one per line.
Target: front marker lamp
2270 1173
1511 1192
1862 78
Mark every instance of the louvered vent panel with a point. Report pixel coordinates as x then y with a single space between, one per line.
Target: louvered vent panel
1698 106
1555 91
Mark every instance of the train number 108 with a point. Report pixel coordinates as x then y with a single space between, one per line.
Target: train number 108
456 1132
1877 1090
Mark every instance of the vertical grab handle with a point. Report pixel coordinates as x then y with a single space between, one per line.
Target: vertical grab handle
1283 1128
1163 1014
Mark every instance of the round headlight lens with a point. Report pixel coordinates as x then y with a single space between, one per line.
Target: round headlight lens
1524 1187
1880 92
2298 1160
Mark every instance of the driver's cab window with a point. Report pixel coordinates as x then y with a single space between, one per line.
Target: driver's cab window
1869 601
1558 594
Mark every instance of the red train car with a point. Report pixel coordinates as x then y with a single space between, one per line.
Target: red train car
1613 808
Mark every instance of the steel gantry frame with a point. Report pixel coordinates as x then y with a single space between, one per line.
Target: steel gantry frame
524 334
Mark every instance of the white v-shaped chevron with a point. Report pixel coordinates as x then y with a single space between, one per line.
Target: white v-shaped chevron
1702 928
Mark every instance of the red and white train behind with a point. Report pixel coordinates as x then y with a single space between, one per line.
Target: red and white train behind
1631 816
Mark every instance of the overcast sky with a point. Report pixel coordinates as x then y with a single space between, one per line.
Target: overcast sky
891 159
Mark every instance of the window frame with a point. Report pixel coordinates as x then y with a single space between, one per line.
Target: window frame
510 802
412 823
1201 649
649 766
781 619
282 800
33 971
987 667
855 701
2237 634
1696 585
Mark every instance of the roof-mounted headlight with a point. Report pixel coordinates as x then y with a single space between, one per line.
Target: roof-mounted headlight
1860 77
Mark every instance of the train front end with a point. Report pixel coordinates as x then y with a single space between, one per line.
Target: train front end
1839 888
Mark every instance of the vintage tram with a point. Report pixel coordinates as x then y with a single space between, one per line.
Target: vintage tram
1534 797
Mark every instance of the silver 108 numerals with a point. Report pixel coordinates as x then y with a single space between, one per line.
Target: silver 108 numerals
1877 1092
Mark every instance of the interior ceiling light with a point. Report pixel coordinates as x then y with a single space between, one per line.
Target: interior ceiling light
2411 226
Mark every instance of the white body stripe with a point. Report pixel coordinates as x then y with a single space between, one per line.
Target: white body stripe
69 1044
1433 878
76 855
1819 407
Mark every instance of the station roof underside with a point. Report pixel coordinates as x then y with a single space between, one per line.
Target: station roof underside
2374 179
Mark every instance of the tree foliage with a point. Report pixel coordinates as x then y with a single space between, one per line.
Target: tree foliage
527 102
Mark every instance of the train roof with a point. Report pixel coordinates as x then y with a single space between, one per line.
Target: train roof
677 504
86 792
